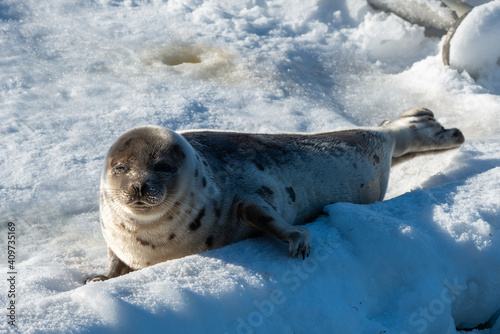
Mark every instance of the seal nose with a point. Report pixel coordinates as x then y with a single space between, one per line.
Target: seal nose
140 188
459 136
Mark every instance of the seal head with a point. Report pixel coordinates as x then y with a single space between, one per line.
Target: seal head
143 171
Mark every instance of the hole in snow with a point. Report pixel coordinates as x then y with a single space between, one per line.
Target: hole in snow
174 59
199 61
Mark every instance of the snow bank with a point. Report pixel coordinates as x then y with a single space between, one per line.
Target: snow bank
474 46
391 41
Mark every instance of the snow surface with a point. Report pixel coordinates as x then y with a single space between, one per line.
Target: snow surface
76 74
475 46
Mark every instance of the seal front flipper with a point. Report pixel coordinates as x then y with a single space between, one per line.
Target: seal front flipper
116 268
262 216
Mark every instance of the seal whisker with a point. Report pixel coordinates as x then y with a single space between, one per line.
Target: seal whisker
92 208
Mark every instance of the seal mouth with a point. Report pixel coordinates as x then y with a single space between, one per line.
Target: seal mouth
140 205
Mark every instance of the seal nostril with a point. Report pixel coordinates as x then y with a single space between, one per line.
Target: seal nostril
459 135
140 189
137 189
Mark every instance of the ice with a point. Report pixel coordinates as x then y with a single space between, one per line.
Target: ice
429 13
74 75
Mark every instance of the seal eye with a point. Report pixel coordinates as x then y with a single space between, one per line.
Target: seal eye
163 167
120 169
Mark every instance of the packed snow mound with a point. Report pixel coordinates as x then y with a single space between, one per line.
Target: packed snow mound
475 45
390 40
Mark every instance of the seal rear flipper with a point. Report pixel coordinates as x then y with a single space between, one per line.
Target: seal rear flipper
116 267
416 132
262 216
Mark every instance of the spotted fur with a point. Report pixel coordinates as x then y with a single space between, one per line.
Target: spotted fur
165 195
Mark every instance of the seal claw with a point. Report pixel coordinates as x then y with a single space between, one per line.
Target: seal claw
300 243
98 278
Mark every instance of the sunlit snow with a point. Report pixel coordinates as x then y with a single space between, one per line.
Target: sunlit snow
74 75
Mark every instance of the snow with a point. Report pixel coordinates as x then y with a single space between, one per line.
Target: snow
475 46
76 74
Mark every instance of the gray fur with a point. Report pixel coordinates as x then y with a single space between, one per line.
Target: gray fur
166 195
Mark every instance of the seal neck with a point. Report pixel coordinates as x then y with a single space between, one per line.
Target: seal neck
199 190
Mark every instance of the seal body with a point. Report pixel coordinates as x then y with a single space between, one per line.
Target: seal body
165 195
